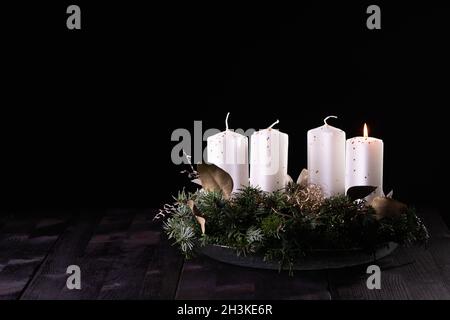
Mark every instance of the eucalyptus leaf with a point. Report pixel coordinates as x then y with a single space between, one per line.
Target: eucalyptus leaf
303 178
216 179
360 192
390 194
194 208
197 181
202 223
197 214
387 207
289 179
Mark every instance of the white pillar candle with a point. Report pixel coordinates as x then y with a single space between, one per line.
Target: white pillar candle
364 163
229 151
326 159
269 159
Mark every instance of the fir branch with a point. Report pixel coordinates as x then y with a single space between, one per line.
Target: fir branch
285 226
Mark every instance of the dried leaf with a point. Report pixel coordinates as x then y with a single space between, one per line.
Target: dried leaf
359 192
289 179
197 214
195 211
390 194
202 223
387 207
214 178
303 178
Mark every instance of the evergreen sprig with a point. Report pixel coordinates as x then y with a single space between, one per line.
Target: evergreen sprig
284 226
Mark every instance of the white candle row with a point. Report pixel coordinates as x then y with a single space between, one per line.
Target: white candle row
269 157
337 165
333 164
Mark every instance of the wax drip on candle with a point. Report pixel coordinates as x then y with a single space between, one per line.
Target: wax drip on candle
366 132
325 120
226 121
276 122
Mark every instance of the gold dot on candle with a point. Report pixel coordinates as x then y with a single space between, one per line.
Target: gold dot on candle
317 171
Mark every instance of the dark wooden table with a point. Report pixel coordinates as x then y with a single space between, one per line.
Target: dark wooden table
123 254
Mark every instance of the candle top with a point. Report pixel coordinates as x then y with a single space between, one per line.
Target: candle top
326 128
229 133
364 138
360 139
270 129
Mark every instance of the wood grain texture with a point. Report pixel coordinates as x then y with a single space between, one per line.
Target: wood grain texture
439 246
203 278
50 280
409 273
123 254
133 275
24 244
100 253
163 271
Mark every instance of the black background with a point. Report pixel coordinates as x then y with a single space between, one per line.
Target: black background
87 115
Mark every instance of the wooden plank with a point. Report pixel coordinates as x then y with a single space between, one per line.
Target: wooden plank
99 254
118 260
14 234
350 283
163 270
204 278
434 222
24 243
409 273
50 280
439 246
126 277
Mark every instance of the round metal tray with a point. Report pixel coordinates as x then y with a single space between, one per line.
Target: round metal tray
317 260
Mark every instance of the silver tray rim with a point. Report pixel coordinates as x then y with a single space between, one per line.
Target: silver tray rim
318 260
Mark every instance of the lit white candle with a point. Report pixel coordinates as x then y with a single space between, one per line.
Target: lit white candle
326 159
269 159
364 163
229 151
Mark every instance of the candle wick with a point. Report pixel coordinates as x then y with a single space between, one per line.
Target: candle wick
276 122
226 121
325 120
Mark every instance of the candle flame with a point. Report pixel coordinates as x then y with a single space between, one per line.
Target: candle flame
366 132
